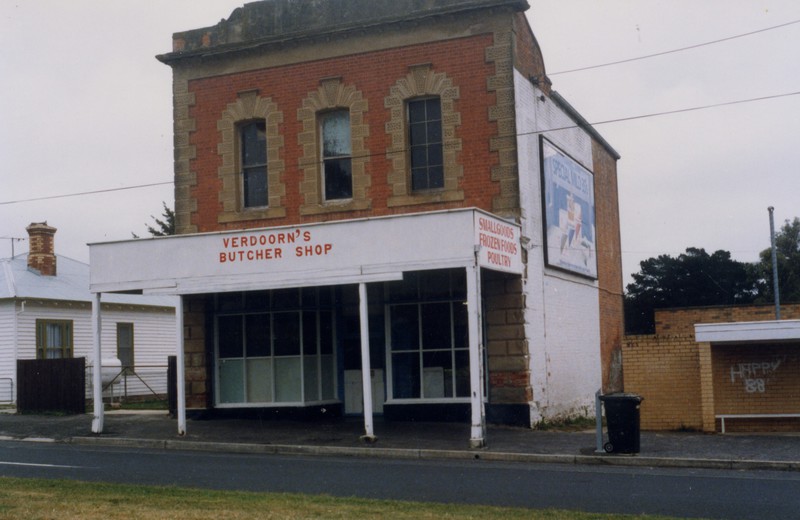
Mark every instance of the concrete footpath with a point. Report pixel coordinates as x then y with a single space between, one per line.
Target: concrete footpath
156 430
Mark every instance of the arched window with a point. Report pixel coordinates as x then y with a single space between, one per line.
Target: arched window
337 168
252 169
253 158
425 143
335 157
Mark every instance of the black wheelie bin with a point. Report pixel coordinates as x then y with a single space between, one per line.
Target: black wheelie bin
622 422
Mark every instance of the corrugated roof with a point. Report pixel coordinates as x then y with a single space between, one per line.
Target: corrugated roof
71 283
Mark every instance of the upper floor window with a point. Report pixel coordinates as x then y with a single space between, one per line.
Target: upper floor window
337 170
425 143
425 147
53 339
253 140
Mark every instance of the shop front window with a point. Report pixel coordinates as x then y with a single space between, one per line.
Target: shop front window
428 347
273 355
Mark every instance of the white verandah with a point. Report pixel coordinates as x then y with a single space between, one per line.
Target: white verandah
345 252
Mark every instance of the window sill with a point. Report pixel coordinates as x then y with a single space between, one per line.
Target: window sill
335 207
426 197
251 214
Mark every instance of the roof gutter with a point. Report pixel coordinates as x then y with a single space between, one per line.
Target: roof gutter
582 123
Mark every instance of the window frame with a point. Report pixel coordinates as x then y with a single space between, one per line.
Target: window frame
426 145
322 360
325 161
42 333
126 366
423 81
256 167
421 292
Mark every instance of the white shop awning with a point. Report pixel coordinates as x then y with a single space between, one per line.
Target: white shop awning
333 253
748 332
341 252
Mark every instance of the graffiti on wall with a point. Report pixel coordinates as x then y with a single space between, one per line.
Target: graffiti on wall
754 376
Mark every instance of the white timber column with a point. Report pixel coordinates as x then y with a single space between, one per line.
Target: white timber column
366 371
478 429
97 366
180 384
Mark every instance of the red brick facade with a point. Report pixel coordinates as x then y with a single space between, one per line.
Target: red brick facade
461 60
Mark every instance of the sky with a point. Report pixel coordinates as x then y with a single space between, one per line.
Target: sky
86 107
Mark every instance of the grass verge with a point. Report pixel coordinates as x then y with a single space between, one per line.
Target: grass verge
69 500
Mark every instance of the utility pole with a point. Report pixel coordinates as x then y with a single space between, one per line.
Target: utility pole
776 289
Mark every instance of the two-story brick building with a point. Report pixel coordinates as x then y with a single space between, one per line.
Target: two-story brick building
390 189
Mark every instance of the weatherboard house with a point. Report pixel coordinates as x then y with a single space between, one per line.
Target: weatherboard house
382 208
46 313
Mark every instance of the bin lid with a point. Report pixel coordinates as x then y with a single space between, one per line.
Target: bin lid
622 396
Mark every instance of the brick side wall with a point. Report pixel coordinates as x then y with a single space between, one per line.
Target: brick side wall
683 390
194 355
665 370
609 267
528 58
507 348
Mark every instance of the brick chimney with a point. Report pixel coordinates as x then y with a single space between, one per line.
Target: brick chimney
41 254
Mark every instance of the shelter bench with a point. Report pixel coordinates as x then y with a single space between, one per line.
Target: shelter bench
722 417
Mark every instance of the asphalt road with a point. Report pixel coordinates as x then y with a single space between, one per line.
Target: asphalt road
676 492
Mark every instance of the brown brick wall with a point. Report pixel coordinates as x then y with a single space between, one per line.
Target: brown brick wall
609 267
507 348
682 321
682 389
756 380
194 353
665 370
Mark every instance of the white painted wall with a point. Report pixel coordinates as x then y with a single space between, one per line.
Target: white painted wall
562 318
8 364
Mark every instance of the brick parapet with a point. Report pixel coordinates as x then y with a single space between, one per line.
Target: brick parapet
683 320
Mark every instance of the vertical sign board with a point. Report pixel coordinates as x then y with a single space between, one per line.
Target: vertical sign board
569 216
498 244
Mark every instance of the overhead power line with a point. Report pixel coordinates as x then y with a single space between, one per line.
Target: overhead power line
669 112
81 193
598 123
681 49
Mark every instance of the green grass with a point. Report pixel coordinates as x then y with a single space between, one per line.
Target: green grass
70 500
153 404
